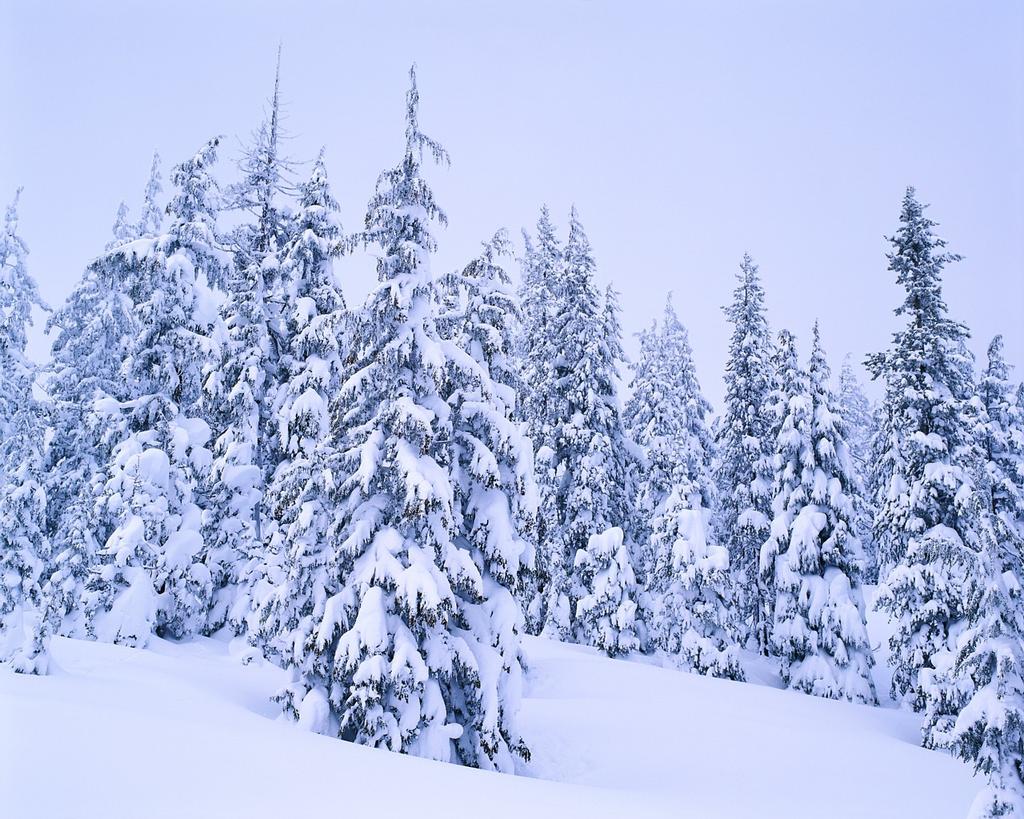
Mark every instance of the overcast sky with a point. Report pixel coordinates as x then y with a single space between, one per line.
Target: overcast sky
685 133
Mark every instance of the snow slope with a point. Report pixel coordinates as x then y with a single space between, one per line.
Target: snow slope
187 730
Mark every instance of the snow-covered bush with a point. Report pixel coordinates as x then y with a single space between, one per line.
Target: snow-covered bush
606 613
693 618
812 559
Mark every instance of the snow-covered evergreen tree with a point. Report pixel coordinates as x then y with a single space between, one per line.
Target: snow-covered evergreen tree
585 469
979 714
860 425
494 492
240 387
741 442
1002 443
931 522
24 546
541 270
18 295
154 575
394 643
93 331
299 498
666 416
151 219
788 413
812 558
694 617
606 615
685 577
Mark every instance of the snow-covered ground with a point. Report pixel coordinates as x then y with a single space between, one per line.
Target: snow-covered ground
187 730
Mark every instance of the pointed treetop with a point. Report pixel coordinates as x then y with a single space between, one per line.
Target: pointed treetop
578 256
18 290
11 216
120 231
787 360
818 366
275 105
915 260
194 181
671 318
996 366
152 214
547 236
748 288
528 250
747 308
320 165
277 76
415 139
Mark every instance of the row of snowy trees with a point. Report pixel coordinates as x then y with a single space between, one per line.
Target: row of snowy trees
384 498
947 481
224 444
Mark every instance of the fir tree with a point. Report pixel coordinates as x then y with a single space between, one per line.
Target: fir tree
694 619
789 412
986 684
585 470
686 590
741 441
606 613
241 387
24 546
389 644
542 272
812 558
18 295
666 416
1002 443
860 424
931 522
93 331
151 218
121 230
153 575
300 496
494 493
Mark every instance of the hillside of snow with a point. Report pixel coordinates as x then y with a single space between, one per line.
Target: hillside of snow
188 730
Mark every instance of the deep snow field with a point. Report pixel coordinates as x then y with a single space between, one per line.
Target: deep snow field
188 731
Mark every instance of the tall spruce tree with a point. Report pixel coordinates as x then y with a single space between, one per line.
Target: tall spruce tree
585 468
241 387
860 425
291 579
495 496
976 709
931 524
666 416
153 575
607 612
541 271
24 545
391 643
87 385
741 441
1002 443
812 558
685 575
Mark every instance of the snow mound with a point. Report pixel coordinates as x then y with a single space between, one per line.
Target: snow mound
187 729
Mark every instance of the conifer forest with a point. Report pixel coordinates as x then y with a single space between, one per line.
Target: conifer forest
260 526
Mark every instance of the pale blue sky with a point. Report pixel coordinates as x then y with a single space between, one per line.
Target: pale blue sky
685 133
